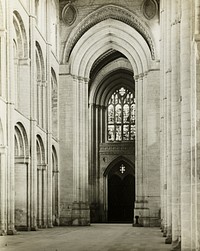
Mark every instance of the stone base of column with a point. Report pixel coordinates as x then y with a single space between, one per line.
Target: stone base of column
11 232
164 233
50 225
141 211
94 212
23 228
161 226
168 240
3 232
56 222
80 214
34 228
176 245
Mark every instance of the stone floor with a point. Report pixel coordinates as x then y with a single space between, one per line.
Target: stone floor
97 237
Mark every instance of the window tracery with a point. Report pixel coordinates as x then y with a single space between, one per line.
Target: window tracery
121 116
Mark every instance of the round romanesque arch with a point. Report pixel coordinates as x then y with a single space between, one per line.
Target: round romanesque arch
20 35
109 12
21 141
109 34
22 181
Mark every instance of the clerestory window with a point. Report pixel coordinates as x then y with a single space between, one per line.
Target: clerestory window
121 116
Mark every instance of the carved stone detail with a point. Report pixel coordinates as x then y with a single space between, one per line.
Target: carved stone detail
150 8
69 14
115 148
114 12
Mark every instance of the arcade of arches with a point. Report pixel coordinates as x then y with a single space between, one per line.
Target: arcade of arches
99 115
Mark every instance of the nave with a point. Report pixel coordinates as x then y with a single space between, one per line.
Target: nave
107 237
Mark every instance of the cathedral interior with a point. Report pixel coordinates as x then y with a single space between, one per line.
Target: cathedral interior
99 115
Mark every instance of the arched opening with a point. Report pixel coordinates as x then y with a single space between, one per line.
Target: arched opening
55 196
41 183
121 193
41 86
105 55
20 56
112 129
21 178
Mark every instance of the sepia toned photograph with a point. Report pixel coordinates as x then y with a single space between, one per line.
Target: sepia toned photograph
99 125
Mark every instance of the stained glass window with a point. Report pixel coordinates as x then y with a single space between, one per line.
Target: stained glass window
121 115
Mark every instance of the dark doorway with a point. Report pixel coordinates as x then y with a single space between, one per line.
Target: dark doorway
121 194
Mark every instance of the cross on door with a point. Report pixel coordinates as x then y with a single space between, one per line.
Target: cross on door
122 169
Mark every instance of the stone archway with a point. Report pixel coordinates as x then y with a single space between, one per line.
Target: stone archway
120 193
83 61
22 181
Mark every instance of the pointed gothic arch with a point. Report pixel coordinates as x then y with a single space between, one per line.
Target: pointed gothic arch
119 190
117 160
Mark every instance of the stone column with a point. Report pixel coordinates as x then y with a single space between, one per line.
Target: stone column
196 132
141 208
80 208
168 122
166 113
3 149
94 139
10 124
98 109
162 20
145 135
2 58
139 142
91 154
49 119
39 196
3 192
186 157
90 159
44 105
66 144
44 196
176 124
33 122
102 126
